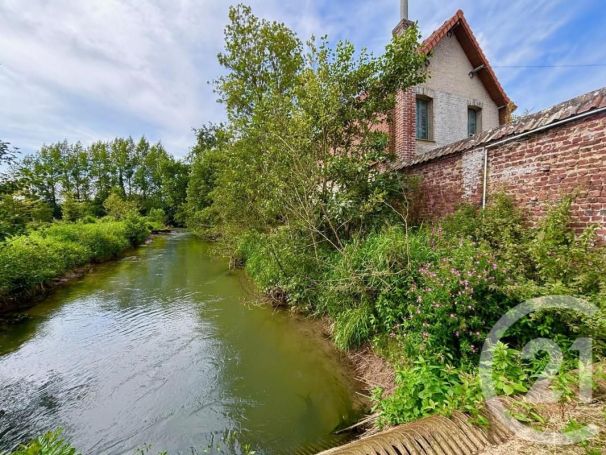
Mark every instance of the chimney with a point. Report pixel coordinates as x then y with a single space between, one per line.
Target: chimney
404 21
403 9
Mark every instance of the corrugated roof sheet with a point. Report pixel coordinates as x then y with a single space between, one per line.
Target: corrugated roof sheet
585 103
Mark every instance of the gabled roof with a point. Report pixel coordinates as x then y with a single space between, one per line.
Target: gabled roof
459 26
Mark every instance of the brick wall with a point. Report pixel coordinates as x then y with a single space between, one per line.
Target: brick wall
404 125
536 171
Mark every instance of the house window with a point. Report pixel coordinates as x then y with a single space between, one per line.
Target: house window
424 119
473 120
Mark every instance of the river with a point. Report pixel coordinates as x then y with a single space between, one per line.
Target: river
166 350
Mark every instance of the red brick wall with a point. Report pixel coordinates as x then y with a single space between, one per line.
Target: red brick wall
404 124
536 171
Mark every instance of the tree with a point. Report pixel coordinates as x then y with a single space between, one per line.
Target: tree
304 149
43 174
102 174
76 169
119 208
122 154
7 158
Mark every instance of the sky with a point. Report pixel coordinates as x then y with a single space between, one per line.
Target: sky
86 70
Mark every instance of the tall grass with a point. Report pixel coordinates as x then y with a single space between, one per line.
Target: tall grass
29 261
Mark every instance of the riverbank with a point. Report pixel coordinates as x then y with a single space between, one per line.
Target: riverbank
33 265
425 298
169 348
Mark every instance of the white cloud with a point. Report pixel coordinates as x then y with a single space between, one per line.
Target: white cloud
95 69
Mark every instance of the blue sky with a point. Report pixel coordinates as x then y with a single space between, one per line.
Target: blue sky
96 69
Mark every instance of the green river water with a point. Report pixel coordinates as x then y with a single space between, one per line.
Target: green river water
165 349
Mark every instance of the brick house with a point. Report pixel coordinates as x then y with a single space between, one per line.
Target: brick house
454 133
461 97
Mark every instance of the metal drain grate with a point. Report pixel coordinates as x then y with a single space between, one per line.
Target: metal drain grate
435 435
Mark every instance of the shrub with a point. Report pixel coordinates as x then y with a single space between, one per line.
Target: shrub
28 261
157 217
371 276
73 210
428 386
454 300
283 260
52 443
135 230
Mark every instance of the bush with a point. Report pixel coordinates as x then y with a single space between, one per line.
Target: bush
435 292
135 230
374 274
157 217
485 263
283 260
28 261
73 210
428 386
51 443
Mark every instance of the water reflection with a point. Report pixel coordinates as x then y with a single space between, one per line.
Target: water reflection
162 349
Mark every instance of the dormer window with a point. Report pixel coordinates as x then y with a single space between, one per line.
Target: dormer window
424 118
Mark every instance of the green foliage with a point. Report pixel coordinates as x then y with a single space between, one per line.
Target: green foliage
454 300
7 157
373 273
29 261
18 212
302 149
119 208
484 263
135 230
282 260
437 292
52 443
206 157
509 375
428 386
73 210
354 326
74 181
157 217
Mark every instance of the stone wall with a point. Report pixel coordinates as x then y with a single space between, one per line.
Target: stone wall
536 170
